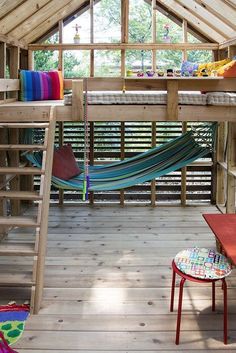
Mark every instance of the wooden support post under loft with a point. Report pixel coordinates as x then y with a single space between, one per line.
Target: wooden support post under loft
185 38
172 100
91 156
231 51
61 143
184 173
214 175
3 67
77 100
231 164
154 34
153 182
14 161
220 156
122 156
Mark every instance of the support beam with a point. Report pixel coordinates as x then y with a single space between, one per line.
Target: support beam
231 163
185 38
184 173
220 156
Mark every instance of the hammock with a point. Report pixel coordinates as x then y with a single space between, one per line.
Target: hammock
156 162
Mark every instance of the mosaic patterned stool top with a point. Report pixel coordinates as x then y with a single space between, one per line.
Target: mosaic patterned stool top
202 263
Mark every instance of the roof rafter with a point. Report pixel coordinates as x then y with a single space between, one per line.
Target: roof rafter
193 20
14 18
210 19
49 23
222 10
7 6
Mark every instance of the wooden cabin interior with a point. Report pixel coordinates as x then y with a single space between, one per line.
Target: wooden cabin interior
94 264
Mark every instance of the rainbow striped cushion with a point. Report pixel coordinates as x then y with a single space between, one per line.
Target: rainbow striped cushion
41 85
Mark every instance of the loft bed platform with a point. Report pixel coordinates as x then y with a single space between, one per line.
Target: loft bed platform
172 110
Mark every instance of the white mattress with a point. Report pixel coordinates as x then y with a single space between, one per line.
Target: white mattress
141 97
221 98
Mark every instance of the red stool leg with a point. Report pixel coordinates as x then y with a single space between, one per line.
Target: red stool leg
225 311
213 307
181 286
172 291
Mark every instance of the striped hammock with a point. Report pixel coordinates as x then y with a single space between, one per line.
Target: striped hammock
156 162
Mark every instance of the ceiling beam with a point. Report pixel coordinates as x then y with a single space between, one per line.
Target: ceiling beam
37 18
193 20
210 19
14 18
221 10
49 23
228 43
7 6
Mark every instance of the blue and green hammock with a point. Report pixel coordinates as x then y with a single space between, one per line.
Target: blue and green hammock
144 167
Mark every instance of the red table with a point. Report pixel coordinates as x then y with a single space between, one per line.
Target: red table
224 228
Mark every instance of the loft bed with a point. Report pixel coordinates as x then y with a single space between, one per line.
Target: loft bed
172 91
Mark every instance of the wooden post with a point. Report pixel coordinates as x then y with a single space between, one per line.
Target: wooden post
124 31
30 60
77 100
154 34
231 163
183 173
172 100
61 124
220 154
185 38
91 38
91 157
122 156
153 182
3 66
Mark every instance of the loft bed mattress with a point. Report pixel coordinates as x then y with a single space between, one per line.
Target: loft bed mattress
141 97
221 98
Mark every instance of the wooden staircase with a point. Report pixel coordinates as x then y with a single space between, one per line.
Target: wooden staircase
12 174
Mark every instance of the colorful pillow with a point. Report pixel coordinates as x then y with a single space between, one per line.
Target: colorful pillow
228 70
41 85
188 67
212 65
64 163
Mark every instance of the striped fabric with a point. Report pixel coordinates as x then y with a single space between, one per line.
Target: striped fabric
41 85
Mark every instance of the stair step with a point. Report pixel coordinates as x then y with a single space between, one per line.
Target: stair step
21 170
19 222
12 279
24 125
20 195
23 147
16 249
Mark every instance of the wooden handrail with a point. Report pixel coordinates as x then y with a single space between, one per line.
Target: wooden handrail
9 85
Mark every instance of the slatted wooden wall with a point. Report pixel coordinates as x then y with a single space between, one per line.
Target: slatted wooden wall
115 140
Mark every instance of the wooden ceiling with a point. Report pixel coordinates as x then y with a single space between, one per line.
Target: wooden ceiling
28 20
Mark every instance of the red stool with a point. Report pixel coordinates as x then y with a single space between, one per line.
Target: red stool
201 266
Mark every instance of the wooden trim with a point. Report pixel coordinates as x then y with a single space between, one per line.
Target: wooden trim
172 100
30 60
231 163
11 41
60 54
120 46
185 38
154 34
153 182
2 68
14 161
227 43
91 38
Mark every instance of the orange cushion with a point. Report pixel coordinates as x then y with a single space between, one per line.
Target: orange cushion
228 70
64 163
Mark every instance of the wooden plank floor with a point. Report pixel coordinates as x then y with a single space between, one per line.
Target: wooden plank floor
108 280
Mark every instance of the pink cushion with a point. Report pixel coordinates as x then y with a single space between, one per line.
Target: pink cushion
64 163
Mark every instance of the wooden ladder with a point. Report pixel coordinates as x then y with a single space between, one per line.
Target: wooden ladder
37 248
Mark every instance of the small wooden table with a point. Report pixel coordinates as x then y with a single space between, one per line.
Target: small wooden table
224 228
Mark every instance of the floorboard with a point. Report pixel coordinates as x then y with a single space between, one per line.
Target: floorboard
107 283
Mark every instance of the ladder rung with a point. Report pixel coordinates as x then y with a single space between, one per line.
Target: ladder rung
18 222
20 195
24 125
23 279
16 249
23 147
21 170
